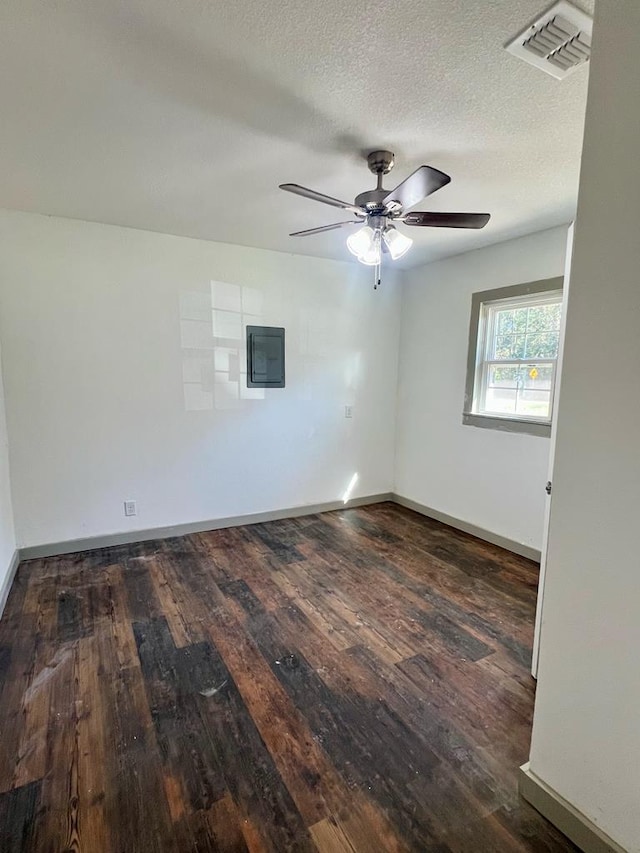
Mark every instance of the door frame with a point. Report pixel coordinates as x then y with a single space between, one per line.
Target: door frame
552 449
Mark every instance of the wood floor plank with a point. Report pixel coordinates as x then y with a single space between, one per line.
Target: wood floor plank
245 559
18 808
329 837
172 608
383 621
354 682
24 746
92 719
426 579
477 771
59 792
224 822
172 692
339 635
364 740
317 789
135 806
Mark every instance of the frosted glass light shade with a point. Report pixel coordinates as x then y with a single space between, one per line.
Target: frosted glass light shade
397 243
360 241
372 256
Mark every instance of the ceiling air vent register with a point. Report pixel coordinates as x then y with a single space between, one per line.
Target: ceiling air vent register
558 42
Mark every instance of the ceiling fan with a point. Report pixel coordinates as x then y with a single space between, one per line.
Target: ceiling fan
375 210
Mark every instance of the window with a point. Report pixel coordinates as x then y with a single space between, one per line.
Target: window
513 353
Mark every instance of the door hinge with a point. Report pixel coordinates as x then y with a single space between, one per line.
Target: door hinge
547 488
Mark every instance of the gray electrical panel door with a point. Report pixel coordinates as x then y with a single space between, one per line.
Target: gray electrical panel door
265 357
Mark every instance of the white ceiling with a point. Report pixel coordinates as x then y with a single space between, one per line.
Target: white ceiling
183 117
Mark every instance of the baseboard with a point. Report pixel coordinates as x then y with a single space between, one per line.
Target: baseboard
576 826
126 538
467 527
5 589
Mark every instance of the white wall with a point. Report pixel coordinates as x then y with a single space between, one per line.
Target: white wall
586 734
118 389
7 535
492 479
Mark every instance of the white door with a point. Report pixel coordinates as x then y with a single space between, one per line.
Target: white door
552 448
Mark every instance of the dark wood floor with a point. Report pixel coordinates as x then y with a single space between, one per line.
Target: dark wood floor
353 681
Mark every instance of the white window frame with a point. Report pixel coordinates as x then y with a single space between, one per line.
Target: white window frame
481 335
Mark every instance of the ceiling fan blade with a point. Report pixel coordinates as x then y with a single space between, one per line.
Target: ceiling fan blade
446 220
322 228
325 199
421 183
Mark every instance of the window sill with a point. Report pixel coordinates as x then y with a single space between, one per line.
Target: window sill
507 424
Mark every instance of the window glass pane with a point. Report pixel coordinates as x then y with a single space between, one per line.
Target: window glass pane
541 345
502 390
536 376
544 318
519 346
510 347
503 377
501 401
504 347
523 390
504 322
533 404
534 393
520 320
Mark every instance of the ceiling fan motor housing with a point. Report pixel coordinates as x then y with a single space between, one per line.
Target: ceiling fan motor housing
380 162
372 200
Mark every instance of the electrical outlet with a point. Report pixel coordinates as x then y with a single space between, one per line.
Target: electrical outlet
348 411
130 508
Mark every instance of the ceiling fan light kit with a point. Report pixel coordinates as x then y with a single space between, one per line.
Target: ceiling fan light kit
371 240
374 210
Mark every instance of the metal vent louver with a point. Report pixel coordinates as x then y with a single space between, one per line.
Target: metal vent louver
558 42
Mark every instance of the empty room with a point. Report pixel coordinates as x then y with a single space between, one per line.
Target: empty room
319 470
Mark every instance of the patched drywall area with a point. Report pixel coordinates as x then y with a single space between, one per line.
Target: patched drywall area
492 479
125 367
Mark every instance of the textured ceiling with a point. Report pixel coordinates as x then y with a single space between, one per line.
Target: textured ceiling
183 117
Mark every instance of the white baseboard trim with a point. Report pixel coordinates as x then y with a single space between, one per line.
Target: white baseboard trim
467 527
8 581
576 826
72 546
